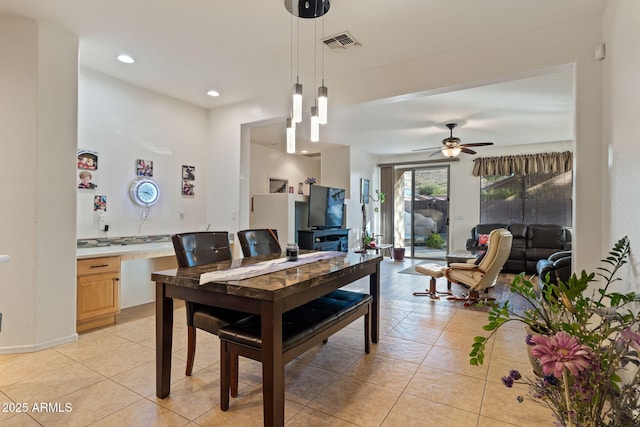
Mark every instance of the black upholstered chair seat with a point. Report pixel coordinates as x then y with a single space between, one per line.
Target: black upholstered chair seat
211 319
298 324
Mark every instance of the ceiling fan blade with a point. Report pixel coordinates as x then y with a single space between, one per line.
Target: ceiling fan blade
426 149
436 153
477 144
467 150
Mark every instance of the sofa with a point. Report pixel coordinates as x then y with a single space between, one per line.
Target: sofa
531 243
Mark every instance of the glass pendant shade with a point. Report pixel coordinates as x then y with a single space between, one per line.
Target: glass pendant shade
315 125
451 151
291 136
322 104
297 102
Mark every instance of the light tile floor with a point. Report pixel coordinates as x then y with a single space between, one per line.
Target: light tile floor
417 375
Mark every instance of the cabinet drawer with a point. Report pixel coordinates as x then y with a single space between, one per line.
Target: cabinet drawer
98 265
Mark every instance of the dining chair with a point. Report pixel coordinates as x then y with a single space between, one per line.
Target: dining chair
481 274
262 241
200 248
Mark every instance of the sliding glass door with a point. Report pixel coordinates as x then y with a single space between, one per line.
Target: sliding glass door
426 212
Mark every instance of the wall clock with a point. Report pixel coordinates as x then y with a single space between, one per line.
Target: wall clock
144 192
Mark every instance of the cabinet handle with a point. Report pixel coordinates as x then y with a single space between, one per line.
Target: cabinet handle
99 266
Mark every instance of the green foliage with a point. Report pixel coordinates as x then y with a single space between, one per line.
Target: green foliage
601 320
431 189
435 241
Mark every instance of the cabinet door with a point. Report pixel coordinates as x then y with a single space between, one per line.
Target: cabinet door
98 295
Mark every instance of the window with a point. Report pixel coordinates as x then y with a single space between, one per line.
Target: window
543 198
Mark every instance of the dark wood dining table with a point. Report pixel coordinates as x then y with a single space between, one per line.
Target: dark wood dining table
268 295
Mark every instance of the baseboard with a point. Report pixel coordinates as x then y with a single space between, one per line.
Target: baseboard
37 347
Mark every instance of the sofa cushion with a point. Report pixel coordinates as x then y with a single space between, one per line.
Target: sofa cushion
519 231
546 236
485 229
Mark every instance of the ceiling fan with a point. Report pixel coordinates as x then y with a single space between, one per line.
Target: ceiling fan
452 146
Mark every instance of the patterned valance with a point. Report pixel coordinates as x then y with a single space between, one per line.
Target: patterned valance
523 164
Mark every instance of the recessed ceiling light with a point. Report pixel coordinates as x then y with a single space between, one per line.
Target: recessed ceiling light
304 151
213 93
127 59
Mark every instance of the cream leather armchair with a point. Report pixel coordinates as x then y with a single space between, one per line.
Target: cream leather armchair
482 274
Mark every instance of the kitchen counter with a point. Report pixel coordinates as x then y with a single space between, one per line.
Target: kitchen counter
128 252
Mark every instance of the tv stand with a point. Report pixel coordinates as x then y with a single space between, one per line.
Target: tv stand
336 239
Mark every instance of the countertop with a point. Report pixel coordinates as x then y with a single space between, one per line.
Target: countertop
128 252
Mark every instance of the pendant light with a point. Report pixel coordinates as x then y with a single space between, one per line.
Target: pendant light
297 87
291 136
323 92
315 125
322 103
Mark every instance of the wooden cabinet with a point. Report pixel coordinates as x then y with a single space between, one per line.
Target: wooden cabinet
98 299
324 240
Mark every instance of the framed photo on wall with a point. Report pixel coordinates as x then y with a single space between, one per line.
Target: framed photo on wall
144 167
188 172
278 185
87 160
364 190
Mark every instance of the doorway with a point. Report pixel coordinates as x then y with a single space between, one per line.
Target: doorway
426 212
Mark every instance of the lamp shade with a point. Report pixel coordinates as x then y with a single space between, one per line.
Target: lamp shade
315 125
451 151
297 102
323 94
291 136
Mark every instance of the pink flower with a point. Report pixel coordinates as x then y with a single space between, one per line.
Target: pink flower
631 338
560 351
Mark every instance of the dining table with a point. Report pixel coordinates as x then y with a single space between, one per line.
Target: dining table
266 285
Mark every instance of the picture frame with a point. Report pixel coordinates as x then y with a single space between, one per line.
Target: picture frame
188 172
144 167
364 191
278 185
87 160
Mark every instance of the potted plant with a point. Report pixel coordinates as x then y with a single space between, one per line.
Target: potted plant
584 342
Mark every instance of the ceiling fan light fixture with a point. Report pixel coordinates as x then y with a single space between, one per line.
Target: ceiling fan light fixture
451 151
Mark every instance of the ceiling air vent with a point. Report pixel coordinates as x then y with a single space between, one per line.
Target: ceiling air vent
341 41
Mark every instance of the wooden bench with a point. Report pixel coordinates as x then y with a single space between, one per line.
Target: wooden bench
302 328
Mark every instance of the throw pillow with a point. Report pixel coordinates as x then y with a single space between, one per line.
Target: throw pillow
483 239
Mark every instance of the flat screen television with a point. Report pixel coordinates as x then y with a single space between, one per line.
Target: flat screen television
326 207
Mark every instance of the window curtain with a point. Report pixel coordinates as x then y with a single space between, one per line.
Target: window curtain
523 164
386 209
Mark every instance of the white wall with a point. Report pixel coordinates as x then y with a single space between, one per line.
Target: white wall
124 123
622 130
38 98
271 163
